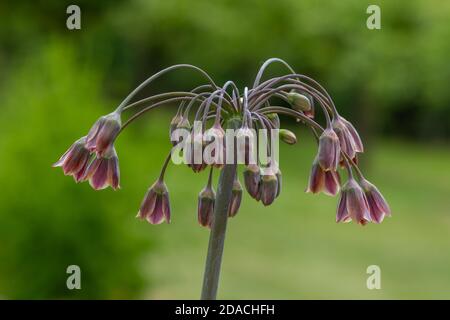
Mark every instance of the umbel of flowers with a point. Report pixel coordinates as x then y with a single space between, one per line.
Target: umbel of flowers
93 157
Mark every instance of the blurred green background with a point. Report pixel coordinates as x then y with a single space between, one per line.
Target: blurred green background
54 83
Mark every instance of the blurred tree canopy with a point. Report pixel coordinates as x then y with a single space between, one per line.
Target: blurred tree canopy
54 82
393 79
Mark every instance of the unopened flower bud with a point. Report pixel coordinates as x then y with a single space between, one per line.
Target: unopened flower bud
183 124
75 160
174 123
275 119
288 136
299 101
236 197
103 133
155 207
378 206
206 200
329 150
252 178
353 204
269 188
103 171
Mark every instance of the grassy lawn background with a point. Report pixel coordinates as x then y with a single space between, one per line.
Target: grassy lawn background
294 249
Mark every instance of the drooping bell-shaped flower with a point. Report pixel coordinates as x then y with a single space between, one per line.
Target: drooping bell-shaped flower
103 171
269 187
327 182
356 138
252 177
288 136
75 160
103 133
206 200
329 150
155 207
353 204
236 197
348 137
378 206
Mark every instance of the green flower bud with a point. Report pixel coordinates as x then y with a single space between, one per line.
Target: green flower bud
288 136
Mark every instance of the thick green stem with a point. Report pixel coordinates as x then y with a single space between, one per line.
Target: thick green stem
218 228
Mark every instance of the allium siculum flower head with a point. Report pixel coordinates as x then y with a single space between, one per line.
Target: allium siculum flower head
252 178
288 136
269 188
75 160
103 171
329 150
327 182
103 133
206 200
348 137
353 204
236 197
155 207
378 206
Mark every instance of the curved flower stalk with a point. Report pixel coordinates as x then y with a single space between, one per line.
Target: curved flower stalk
203 114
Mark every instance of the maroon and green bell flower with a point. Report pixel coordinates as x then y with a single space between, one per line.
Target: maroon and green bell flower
206 200
353 204
329 150
155 207
236 197
268 188
327 182
75 160
252 177
103 171
378 206
348 137
103 133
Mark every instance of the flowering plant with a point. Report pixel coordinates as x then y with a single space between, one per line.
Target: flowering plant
93 157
